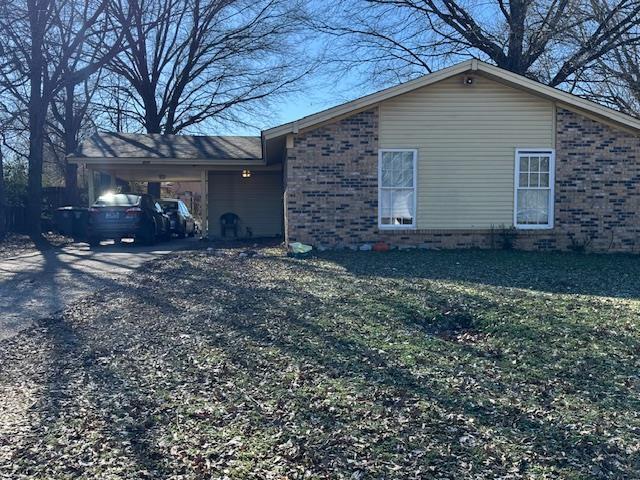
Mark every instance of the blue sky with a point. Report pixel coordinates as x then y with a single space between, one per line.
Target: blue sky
319 93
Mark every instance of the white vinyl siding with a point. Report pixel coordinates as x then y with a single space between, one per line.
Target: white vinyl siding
256 200
466 138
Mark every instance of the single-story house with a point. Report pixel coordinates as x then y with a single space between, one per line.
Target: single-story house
468 156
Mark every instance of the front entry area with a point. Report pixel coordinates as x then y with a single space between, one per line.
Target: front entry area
253 197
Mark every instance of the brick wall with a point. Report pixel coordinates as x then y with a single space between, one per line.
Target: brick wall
332 197
332 182
597 185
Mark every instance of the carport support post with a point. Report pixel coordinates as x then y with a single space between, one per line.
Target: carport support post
91 187
204 202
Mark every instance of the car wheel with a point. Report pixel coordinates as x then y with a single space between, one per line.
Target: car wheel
94 241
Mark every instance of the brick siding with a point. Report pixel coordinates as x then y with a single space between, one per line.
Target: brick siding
332 196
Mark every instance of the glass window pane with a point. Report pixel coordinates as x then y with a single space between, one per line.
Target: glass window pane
387 169
405 179
524 164
544 179
407 167
385 199
396 180
534 164
533 207
386 160
534 179
544 164
405 175
524 180
387 179
407 160
397 161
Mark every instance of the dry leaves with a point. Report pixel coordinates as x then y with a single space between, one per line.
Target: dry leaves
349 365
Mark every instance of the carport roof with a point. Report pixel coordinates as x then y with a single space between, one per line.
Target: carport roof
158 146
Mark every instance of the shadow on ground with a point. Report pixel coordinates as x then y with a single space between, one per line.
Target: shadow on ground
343 366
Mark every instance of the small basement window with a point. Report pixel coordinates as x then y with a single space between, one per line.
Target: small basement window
534 179
397 188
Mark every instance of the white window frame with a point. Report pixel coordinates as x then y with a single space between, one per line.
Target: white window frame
415 190
524 152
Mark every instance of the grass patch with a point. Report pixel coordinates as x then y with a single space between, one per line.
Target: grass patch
347 365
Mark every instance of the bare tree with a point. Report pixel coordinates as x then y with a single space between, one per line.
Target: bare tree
189 61
552 41
71 119
41 39
616 79
3 195
12 134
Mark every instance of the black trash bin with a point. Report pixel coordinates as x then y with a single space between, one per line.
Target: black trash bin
72 221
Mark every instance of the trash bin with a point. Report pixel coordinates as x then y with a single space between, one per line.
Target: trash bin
72 221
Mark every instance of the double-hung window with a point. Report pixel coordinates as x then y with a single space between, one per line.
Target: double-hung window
397 188
534 189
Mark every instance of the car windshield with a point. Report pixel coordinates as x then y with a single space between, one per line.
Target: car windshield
168 205
117 200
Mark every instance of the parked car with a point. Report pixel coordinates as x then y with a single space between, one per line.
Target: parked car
123 215
181 221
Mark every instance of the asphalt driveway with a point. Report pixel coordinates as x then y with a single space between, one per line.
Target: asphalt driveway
37 285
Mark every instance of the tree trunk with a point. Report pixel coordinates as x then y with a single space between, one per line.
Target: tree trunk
153 188
153 126
36 148
37 114
3 199
71 127
517 30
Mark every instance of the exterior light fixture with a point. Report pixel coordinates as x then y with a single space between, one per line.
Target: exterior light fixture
246 173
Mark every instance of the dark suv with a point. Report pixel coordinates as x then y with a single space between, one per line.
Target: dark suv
181 221
122 215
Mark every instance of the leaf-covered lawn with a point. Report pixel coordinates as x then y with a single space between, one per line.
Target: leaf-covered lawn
409 365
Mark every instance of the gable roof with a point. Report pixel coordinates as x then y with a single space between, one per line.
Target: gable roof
509 78
157 146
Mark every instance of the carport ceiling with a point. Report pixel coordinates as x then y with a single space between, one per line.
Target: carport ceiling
152 173
168 173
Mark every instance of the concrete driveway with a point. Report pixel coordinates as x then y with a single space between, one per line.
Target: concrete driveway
39 284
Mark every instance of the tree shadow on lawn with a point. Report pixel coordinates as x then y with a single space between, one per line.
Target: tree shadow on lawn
350 356
312 368
613 275
334 341
84 407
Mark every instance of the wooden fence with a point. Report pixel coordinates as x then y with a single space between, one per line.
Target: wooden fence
16 219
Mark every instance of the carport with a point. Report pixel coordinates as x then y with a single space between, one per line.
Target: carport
233 172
